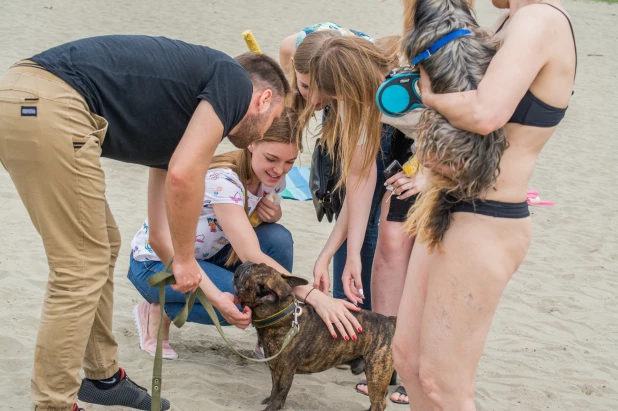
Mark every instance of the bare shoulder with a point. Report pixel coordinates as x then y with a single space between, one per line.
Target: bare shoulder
540 15
286 50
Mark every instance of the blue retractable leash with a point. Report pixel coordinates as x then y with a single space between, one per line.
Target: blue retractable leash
399 94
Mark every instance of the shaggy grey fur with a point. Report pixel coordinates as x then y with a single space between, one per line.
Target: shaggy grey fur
473 159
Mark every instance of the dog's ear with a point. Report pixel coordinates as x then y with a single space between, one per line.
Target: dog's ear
294 281
266 296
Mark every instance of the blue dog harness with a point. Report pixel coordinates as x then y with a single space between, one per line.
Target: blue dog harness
439 44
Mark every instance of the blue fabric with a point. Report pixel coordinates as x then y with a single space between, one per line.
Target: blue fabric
441 42
371 234
275 241
297 184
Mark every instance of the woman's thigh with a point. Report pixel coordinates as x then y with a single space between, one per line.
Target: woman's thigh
465 282
220 276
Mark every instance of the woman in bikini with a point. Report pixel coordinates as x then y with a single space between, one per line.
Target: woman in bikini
240 185
452 293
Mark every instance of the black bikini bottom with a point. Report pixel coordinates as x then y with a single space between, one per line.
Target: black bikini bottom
493 209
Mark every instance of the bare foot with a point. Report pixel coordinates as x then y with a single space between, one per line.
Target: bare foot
399 396
361 386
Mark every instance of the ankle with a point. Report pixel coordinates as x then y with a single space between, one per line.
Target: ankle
154 318
111 382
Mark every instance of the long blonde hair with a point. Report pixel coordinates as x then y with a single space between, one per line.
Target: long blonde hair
283 130
350 69
302 58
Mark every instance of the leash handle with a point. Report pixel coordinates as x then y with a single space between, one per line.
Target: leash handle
157 371
165 278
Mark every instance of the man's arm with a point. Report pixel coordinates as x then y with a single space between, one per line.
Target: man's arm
158 227
184 192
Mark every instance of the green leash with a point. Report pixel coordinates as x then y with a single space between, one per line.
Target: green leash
164 278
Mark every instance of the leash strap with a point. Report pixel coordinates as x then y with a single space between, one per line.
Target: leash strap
441 42
165 278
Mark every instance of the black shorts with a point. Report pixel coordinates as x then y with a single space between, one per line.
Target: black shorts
400 150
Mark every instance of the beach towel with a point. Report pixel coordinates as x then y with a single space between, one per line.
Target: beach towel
297 184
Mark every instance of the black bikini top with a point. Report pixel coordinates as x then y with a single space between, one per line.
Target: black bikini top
531 111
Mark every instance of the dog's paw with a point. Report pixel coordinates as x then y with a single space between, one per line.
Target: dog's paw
266 400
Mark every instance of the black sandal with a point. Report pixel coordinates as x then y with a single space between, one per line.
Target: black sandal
400 390
361 382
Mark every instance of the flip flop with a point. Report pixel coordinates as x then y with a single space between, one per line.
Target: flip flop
400 390
533 199
361 382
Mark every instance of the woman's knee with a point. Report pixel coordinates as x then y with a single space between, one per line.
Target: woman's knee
445 386
392 240
276 241
405 357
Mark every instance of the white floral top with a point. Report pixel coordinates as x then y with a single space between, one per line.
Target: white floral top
222 187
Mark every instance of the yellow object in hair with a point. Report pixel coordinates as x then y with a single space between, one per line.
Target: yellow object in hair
254 47
411 167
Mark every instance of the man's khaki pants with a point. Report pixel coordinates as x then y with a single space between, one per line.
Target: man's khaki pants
50 144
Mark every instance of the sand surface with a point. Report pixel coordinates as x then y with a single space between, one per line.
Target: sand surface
554 341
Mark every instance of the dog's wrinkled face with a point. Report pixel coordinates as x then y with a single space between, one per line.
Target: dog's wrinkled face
260 284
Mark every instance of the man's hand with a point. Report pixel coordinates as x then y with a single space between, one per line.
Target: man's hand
229 311
188 275
268 211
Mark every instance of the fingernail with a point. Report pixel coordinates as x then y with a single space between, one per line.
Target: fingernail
360 290
346 338
360 330
398 198
335 336
354 337
385 184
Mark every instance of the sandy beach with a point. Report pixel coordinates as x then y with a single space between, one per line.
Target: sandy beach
554 340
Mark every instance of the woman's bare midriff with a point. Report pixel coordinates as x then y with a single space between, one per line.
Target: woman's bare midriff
518 161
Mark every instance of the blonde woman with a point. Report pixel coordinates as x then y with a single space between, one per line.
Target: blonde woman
237 184
345 73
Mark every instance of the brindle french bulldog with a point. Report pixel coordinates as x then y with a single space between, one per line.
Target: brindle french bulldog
313 349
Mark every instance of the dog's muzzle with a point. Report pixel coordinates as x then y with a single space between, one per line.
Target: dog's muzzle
240 275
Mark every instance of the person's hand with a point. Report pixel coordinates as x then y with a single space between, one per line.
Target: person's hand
425 88
404 186
268 211
336 315
321 278
351 279
226 306
188 275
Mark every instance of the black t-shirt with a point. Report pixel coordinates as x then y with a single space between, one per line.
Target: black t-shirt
147 88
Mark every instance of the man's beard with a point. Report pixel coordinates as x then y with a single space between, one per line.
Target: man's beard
249 130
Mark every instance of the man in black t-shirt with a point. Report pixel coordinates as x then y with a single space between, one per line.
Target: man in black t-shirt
145 100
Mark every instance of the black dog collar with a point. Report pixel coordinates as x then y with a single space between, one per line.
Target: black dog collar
275 318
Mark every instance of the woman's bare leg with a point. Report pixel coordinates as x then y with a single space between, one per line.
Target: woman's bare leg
388 274
406 343
464 286
390 264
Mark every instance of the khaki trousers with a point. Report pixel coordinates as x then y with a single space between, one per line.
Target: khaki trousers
50 144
